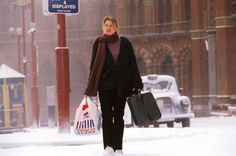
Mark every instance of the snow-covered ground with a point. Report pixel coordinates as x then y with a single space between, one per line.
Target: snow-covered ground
210 136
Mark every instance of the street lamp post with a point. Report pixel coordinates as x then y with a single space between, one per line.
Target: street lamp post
23 4
63 79
34 88
24 44
18 33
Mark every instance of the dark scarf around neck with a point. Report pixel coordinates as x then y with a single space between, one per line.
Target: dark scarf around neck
95 73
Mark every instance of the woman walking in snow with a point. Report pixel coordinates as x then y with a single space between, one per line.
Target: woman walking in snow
114 76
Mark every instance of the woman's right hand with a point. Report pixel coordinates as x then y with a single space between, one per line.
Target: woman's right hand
136 91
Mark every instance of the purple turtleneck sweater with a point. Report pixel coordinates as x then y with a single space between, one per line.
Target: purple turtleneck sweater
114 48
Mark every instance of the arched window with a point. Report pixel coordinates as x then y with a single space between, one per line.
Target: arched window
168 11
167 66
160 9
112 9
135 12
163 11
140 13
188 9
185 72
233 6
102 11
189 84
130 18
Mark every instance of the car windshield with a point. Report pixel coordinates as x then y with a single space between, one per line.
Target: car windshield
161 85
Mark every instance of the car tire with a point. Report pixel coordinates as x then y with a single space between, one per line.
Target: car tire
146 125
170 124
155 124
129 125
185 122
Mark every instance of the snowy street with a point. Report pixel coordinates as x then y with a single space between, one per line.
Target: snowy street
208 136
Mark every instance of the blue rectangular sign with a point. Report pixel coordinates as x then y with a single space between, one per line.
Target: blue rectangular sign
63 6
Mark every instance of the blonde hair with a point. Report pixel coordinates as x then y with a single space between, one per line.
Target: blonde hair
110 18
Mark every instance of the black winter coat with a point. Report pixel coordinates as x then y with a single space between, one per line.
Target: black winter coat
122 75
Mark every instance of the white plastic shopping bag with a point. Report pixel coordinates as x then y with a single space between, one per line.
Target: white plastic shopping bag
87 117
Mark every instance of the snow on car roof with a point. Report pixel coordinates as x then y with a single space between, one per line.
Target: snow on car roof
154 78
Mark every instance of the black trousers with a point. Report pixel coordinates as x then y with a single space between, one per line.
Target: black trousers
112 118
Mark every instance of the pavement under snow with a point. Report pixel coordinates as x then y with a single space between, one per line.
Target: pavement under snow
208 136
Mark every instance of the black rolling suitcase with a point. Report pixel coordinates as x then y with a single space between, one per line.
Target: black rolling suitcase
144 109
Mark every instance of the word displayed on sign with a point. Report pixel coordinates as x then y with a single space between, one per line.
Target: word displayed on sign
61 6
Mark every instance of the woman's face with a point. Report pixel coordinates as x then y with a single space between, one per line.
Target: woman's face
109 28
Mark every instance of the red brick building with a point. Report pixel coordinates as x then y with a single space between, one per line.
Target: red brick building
189 39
